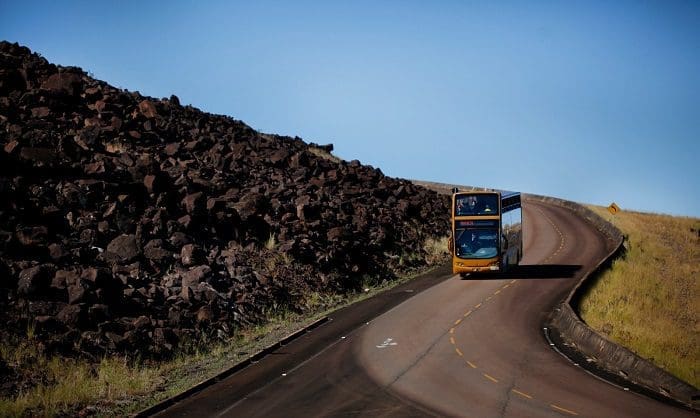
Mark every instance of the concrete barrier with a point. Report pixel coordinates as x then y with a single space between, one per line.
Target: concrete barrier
607 354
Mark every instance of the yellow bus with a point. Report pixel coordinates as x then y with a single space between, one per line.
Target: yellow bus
486 231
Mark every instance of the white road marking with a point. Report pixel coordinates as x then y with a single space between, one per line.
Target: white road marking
388 342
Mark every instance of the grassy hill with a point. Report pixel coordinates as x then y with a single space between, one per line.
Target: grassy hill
649 301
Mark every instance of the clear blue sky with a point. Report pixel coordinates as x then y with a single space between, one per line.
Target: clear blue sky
590 101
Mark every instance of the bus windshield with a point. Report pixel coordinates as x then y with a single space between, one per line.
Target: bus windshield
476 204
476 243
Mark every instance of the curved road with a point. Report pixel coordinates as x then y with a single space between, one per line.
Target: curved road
469 348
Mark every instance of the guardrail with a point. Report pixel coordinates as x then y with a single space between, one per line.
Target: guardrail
607 354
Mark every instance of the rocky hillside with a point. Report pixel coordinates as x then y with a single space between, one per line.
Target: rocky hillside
132 224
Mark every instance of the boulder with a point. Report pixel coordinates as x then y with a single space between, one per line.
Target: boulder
124 248
68 84
148 109
32 236
77 293
194 203
190 254
153 250
36 280
74 316
195 275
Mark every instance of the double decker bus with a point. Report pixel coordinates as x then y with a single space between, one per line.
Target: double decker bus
486 231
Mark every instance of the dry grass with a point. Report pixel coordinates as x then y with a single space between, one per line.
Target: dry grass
324 154
65 385
650 300
436 250
271 242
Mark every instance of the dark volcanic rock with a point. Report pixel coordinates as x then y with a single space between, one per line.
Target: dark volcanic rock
190 254
124 248
63 83
195 275
128 223
194 203
154 251
34 281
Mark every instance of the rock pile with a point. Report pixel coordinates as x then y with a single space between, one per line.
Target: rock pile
129 223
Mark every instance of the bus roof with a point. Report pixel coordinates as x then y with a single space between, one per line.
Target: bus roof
504 193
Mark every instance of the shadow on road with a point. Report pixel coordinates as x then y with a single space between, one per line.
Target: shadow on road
527 272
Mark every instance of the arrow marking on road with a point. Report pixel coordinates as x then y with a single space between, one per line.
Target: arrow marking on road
388 342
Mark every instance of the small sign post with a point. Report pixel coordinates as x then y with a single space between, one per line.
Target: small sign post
613 208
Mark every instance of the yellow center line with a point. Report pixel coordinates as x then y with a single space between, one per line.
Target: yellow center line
512 281
467 313
472 365
458 321
506 285
497 292
523 394
488 298
491 378
459 353
477 306
452 330
559 408
452 340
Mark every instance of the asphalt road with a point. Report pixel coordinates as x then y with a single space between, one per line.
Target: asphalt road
442 346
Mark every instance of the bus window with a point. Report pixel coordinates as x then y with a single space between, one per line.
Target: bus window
476 243
476 204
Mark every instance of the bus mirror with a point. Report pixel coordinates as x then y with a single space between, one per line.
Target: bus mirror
505 242
450 245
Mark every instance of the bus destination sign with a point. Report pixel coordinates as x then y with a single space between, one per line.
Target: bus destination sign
476 223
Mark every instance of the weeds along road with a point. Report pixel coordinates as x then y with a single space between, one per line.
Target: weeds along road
441 346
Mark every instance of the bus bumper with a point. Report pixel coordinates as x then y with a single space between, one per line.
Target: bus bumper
460 267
